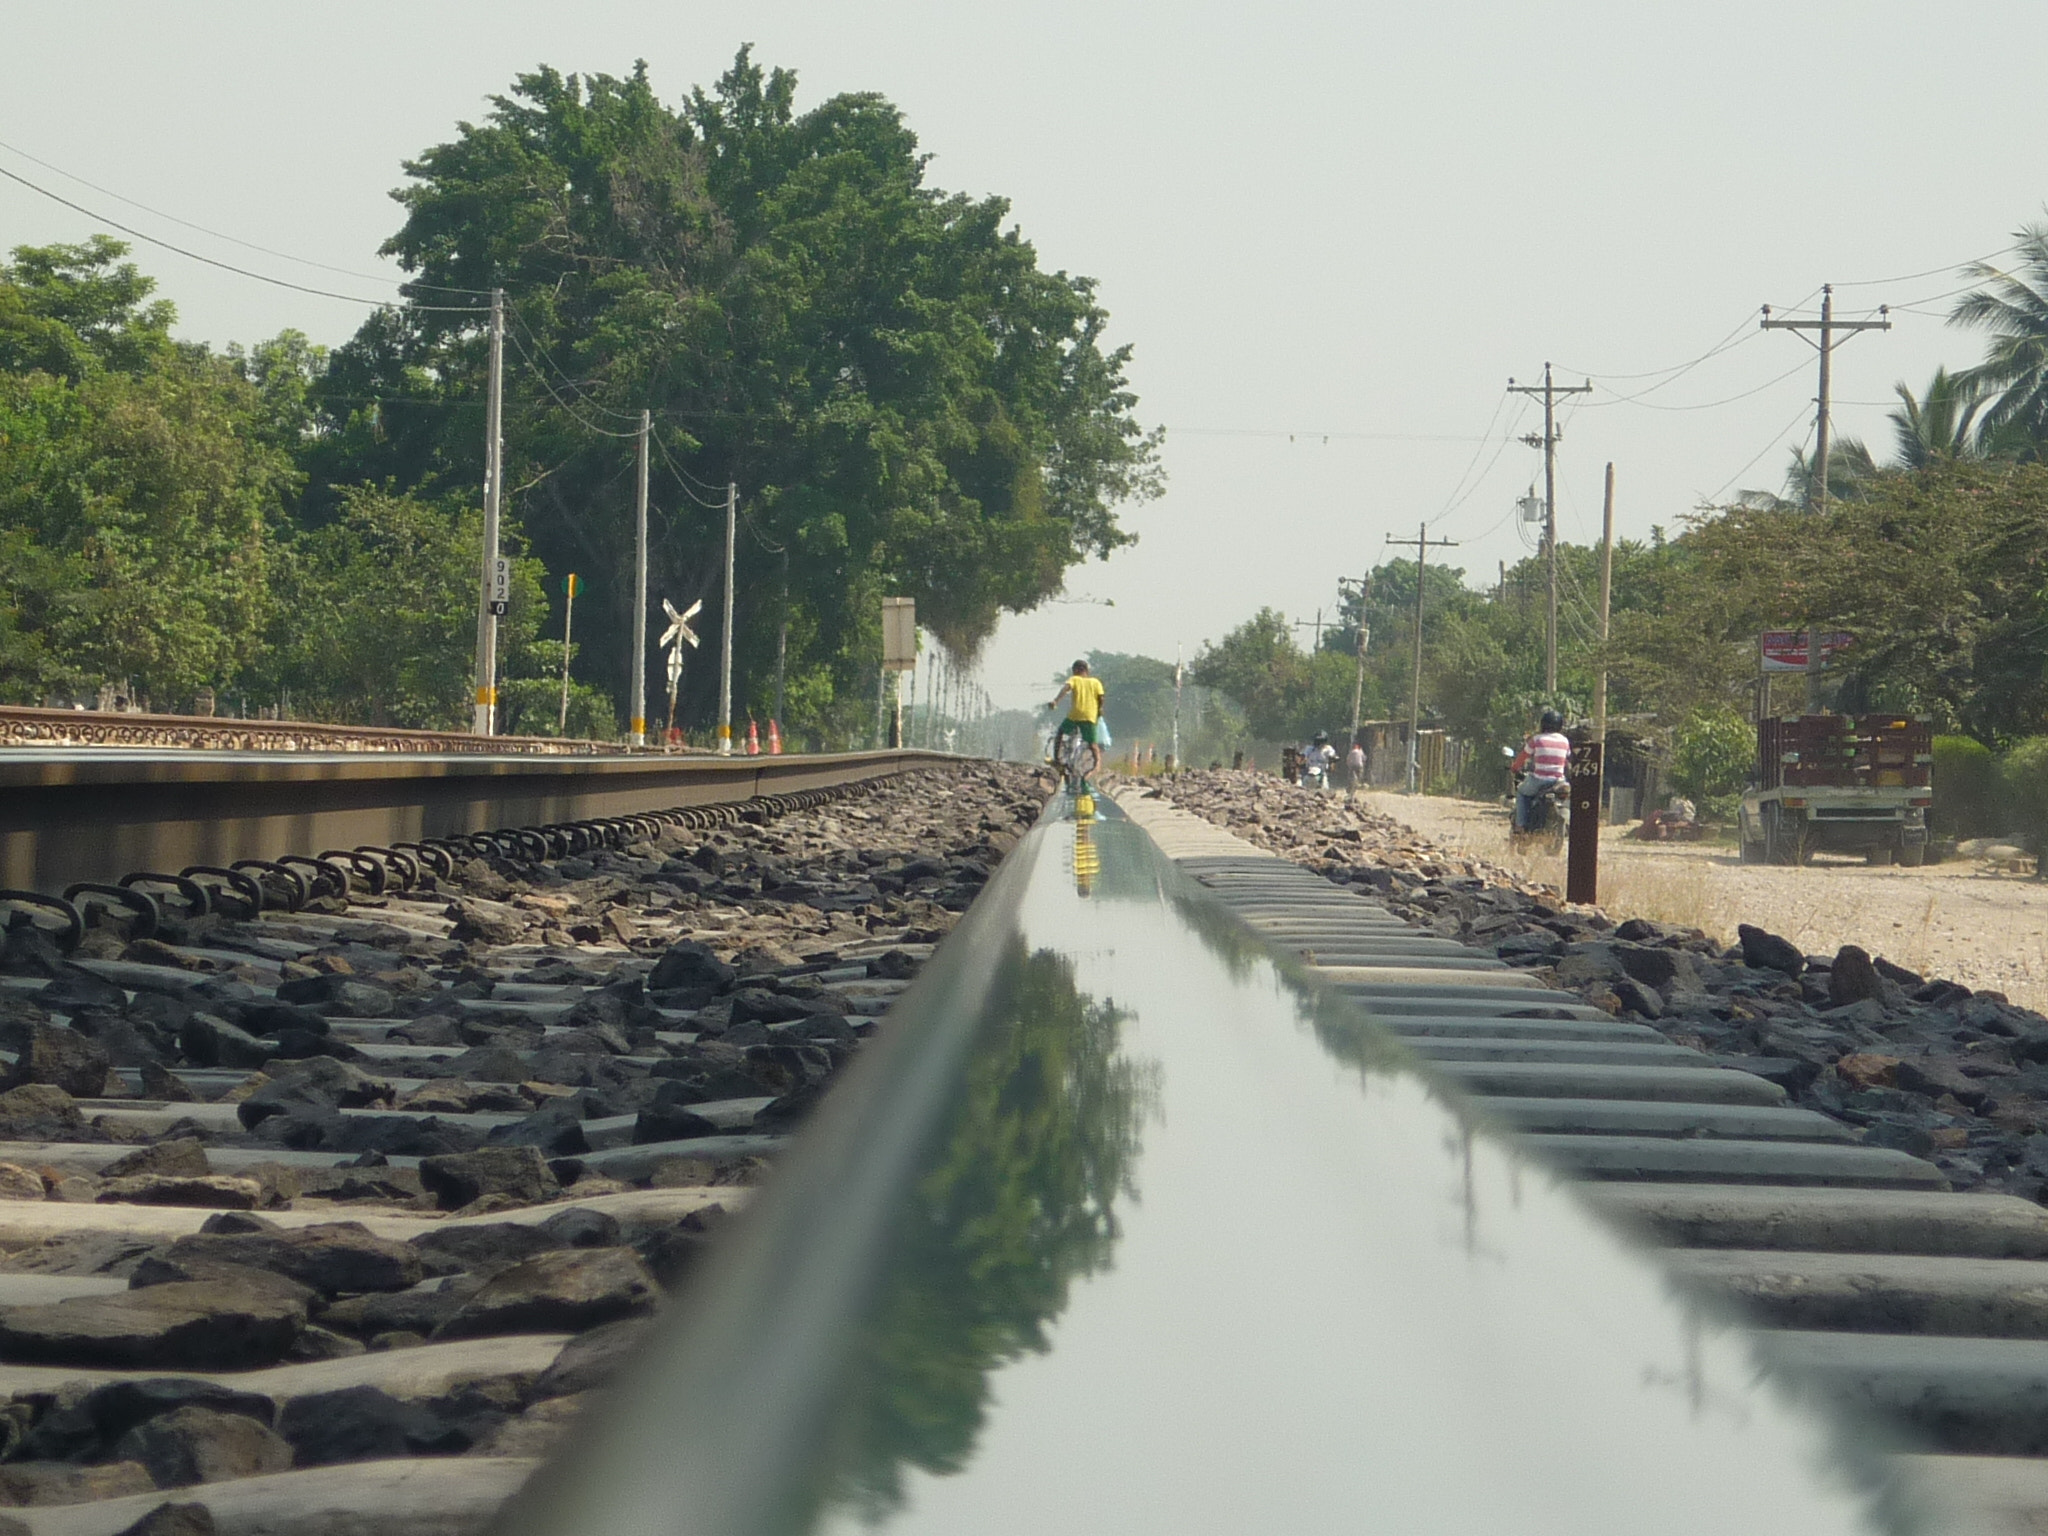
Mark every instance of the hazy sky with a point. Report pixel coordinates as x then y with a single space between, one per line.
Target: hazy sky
1310 218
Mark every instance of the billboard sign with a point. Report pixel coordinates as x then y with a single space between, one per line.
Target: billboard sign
1784 650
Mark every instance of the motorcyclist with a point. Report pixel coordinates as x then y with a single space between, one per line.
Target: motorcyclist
1316 761
1548 755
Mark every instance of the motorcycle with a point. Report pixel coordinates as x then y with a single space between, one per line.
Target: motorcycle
1549 814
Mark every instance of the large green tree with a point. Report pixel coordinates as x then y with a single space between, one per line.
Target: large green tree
907 402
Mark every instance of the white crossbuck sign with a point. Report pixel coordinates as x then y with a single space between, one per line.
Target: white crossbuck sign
679 625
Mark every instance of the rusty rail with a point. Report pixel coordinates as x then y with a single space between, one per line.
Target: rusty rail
24 727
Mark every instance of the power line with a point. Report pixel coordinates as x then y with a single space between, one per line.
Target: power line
1876 282
1298 432
582 393
225 266
567 409
304 261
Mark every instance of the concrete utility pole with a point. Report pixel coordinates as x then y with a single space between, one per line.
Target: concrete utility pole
1826 325
732 509
1364 585
485 717
1606 594
1316 624
1548 443
1422 542
782 640
637 710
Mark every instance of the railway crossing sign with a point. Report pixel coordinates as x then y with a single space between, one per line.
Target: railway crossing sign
679 629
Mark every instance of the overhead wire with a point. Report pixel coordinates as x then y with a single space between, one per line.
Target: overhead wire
567 409
228 266
582 392
304 261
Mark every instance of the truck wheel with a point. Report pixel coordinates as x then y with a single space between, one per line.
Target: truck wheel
1913 855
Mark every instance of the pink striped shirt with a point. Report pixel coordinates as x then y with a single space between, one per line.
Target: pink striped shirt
1550 752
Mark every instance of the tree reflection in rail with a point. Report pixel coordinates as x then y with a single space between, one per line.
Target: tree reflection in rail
1020 1203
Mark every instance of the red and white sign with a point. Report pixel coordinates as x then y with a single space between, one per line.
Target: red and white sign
1784 650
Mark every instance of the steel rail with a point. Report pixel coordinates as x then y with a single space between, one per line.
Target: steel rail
1130 1223
79 815
26 727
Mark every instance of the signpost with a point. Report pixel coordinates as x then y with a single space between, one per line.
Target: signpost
1582 855
674 638
571 585
899 653
501 586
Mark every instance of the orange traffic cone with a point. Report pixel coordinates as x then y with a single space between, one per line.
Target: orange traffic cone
753 738
774 740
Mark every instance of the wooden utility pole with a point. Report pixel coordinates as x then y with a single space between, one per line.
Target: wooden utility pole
1826 325
1606 594
1548 443
1422 542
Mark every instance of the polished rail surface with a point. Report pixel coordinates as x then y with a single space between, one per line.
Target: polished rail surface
1129 1224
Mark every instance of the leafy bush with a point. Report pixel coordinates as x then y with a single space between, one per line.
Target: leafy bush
2025 775
1711 753
1969 799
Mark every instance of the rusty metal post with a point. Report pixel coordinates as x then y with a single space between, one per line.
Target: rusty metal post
1582 858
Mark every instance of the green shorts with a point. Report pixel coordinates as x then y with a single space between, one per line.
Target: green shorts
1085 729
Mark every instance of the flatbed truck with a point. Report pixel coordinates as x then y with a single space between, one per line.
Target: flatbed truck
1839 784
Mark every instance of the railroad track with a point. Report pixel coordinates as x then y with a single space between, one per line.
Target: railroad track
1158 1138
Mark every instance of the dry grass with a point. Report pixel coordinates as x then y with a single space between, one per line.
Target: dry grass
1955 921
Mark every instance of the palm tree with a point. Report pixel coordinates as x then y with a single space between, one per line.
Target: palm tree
1935 429
2013 306
1850 471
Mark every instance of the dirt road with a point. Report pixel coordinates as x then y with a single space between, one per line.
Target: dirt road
1952 920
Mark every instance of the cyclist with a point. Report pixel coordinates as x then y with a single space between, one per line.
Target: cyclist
1084 713
1546 755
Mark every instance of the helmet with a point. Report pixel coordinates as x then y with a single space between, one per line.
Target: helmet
1322 738
1552 721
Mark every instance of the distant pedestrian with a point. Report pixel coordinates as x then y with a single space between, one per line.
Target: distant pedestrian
1354 769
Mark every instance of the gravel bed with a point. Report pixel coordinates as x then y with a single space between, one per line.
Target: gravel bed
406 1176
1915 1062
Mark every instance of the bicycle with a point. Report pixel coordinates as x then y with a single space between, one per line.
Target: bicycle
1071 758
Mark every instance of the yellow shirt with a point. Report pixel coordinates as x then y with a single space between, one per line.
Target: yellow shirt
1087 705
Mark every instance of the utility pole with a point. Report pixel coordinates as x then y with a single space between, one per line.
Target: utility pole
1422 542
637 710
1606 594
1364 585
1548 443
1826 325
494 476
732 509
782 639
1173 761
569 585
1316 624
